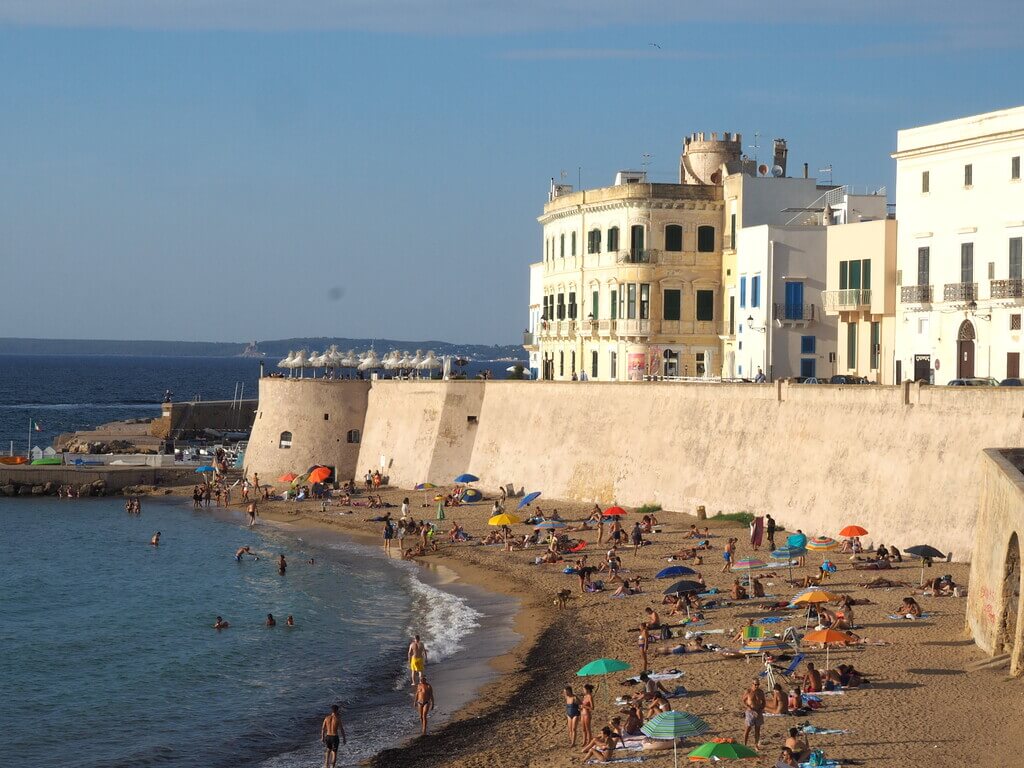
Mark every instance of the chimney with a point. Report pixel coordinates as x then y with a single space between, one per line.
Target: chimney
779 154
805 170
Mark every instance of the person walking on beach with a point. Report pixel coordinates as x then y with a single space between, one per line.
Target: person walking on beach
250 510
636 538
572 714
753 712
424 702
389 534
643 642
329 731
727 553
417 659
256 481
769 529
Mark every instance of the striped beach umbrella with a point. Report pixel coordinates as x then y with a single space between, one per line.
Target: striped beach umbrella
789 554
764 645
674 725
748 564
822 544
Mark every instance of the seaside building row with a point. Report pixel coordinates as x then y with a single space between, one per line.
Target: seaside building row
742 269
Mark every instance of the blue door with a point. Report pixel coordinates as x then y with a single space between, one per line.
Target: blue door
794 300
807 367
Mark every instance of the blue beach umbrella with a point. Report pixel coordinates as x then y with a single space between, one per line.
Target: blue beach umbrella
466 478
550 525
204 468
675 571
530 497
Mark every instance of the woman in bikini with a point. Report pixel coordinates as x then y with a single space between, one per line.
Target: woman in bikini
587 712
643 642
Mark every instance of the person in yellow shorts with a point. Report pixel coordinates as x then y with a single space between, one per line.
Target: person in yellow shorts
417 659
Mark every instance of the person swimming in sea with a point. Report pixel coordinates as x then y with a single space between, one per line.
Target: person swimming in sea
271 621
290 622
155 541
282 564
220 624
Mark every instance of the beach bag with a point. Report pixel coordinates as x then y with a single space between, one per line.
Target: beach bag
817 757
666 633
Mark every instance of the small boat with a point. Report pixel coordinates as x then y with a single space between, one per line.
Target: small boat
48 461
13 460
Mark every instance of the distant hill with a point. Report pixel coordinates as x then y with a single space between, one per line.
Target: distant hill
273 349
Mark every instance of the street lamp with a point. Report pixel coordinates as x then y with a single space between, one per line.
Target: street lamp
751 326
972 307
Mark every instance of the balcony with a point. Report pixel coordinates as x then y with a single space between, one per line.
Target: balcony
588 327
529 339
960 292
606 327
847 298
916 294
636 256
1006 289
795 314
634 328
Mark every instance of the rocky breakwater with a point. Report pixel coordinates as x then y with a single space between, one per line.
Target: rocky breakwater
95 488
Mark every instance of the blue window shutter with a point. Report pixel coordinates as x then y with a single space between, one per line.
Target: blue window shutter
743 292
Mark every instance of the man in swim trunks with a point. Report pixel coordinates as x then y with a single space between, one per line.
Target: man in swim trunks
424 702
243 551
329 735
753 712
417 659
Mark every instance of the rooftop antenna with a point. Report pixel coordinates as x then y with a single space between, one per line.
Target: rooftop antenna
827 169
645 161
756 145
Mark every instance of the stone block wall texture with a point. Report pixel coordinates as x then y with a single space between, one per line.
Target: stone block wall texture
1000 516
299 406
901 461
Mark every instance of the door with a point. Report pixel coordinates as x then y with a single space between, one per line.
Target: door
965 351
922 368
794 300
636 240
807 366
1013 365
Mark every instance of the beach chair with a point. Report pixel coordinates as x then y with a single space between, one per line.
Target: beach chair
753 633
789 671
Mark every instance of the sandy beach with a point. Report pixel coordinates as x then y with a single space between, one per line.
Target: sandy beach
925 706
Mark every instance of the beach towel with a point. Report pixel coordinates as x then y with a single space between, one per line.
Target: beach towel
616 760
813 729
908 617
825 764
756 531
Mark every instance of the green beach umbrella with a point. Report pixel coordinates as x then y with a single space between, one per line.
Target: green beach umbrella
722 749
674 725
603 667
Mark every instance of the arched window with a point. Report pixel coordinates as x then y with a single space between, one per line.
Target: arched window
673 237
966 332
613 239
353 436
594 241
285 441
706 239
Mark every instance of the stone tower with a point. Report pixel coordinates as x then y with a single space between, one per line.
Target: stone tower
703 157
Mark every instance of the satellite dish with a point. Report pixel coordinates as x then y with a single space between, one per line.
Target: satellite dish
716 177
762 169
777 171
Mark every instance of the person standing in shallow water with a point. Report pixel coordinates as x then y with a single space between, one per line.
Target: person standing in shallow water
424 702
282 564
329 732
417 658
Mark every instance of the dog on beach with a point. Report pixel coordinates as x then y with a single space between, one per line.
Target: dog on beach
562 597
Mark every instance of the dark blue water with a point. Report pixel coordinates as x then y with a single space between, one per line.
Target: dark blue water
109 658
66 393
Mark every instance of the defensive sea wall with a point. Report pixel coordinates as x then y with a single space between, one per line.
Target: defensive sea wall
904 462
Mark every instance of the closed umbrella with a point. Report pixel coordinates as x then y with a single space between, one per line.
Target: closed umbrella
828 638
674 572
528 499
674 725
925 552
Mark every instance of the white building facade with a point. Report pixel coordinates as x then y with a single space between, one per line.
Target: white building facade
960 202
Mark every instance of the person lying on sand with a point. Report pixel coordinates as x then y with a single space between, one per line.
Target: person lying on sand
883 583
873 565
909 607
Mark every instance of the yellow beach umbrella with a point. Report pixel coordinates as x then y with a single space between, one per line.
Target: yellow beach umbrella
815 597
504 519
828 638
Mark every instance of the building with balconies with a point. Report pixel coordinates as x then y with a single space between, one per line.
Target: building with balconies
961 208
631 273
860 291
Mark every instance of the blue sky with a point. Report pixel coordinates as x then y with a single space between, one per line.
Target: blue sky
178 169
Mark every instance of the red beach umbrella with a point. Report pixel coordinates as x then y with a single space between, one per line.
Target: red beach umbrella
614 512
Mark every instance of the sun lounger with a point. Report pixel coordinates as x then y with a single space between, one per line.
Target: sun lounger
791 669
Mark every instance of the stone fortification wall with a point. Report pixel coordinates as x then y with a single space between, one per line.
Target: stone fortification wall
901 461
319 414
189 417
995 615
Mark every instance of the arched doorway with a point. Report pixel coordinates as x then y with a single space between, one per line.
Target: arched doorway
965 351
1011 599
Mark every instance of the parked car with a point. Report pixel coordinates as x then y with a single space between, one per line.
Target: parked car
974 382
1011 383
847 380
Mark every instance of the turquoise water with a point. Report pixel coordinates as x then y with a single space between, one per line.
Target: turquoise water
109 654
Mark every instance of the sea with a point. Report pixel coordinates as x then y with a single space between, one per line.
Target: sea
107 652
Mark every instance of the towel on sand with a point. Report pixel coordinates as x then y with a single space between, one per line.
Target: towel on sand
813 729
616 760
908 617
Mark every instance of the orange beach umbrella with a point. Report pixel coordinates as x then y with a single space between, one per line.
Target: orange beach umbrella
853 530
827 637
288 477
319 474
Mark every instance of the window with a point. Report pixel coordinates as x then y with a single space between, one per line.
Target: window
636 239
865 274
572 364
807 345
593 364
673 302
645 301
851 346
673 237
844 275
613 238
1015 322
1015 168
327 417
1015 257
966 262
594 241
968 175
755 291
631 301
807 367
923 257
353 436
615 304
743 291
572 242
876 345
561 306
572 305
561 246
595 304
613 374
285 441
705 239
705 306
925 182
561 363
732 230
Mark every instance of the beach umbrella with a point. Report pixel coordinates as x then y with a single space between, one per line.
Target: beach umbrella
527 499
853 530
822 544
614 512
674 572
370 362
288 478
828 638
764 645
286 361
204 469
748 564
300 361
925 552
674 725
550 525
425 486
797 541
789 554
684 586
602 667
467 478
722 749
812 597
319 474
504 519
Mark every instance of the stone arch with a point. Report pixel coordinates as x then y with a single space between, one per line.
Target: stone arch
1007 639
966 332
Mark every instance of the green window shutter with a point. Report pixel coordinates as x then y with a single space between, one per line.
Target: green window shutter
844 272
595 304
865 274
673 299
615 305
855 274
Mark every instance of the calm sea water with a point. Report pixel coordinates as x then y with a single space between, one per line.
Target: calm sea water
66 393
108 654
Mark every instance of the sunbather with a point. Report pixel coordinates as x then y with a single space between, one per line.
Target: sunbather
777 703
797 745
601 749
873 565
909 607
883 583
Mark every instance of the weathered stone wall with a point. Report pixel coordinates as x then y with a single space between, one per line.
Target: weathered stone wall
990 601
221 415
319 414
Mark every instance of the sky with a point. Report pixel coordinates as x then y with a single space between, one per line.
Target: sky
227 170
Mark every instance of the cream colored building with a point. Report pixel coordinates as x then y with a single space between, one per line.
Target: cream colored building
632 273
861 293
960 202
